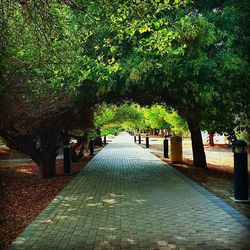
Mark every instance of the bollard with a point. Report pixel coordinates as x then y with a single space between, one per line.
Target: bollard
134 138
240 170
139 138
165 147
176 149
105 140
66 158
147 141
91 147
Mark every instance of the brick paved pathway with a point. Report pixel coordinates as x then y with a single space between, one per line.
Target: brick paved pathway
128 199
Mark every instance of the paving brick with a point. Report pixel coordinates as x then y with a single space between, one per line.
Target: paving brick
126 198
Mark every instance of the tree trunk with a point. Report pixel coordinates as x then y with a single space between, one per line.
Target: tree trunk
73 154
211 139
43 155
47 154
199 157
48 164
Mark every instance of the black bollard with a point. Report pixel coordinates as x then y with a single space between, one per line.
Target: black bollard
66 158
134 138
240 170
100 141
91 147
165 147
147 141
105 140
139 138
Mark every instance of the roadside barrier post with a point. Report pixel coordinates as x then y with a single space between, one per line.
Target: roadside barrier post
105 140
240 170
176 149
139 138
66 157
91 147
100 141
147 140
134 138
165 147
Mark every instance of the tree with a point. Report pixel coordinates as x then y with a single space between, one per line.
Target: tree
39 58
230 113
35 128
147 53
155 117
114 118
193 56
175 53
177 124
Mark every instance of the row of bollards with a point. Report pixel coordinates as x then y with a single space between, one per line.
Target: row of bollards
240 171
66 158
165 145
147 141
240 162
91 144
67 154
139 138
91 147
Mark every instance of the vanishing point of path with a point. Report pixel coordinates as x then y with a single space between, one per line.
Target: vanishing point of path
126 198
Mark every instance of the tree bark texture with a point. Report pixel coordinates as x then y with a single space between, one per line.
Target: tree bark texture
43 155
199 157
211 139
48 165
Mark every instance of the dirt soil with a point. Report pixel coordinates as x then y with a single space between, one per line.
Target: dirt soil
218 178
23 194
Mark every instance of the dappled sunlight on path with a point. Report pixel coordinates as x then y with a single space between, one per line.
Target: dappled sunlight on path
126 198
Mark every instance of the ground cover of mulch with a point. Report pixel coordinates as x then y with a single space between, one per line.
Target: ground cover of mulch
217 179
23 194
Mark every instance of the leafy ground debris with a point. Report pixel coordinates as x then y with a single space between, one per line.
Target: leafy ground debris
24 194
